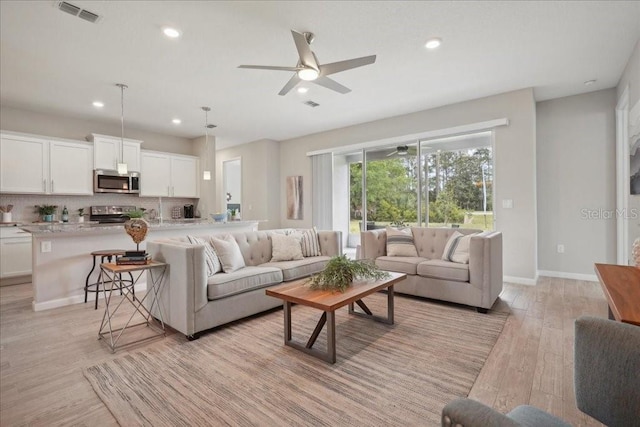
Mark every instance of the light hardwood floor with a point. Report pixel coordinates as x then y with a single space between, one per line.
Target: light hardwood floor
42 355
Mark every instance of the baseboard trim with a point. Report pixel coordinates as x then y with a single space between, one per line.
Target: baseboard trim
75 299
563 275
520 280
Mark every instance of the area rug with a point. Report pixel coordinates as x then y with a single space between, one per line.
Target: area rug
243 375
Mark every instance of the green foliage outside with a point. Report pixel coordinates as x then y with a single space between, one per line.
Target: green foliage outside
453 182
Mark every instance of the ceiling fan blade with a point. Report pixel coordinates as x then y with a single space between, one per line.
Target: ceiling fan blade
269 67
331 84
293 81
392 153
336 67
304 50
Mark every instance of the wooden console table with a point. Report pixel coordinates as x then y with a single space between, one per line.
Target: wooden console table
621 286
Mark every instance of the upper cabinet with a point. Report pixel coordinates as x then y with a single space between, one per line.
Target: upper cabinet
106 152
168 175
34 165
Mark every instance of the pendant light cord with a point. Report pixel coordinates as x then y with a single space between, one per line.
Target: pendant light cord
122 88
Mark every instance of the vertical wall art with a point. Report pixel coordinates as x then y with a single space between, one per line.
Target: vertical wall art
294 197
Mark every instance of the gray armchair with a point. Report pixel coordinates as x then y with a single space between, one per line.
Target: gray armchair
606 376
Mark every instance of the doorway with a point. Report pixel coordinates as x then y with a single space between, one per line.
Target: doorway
232 185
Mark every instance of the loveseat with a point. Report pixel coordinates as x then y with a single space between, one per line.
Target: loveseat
193 301
477 282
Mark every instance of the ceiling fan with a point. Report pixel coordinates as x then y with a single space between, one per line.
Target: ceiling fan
308 68
402 150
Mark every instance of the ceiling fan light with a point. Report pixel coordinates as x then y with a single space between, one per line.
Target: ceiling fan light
308 74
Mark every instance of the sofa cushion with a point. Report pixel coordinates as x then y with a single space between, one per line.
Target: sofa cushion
310 244
210 256
292 270
246 279
457 248
445 270
400 243
400 264
285 248
228 252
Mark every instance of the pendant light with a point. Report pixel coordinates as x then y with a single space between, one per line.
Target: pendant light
122 166
206 174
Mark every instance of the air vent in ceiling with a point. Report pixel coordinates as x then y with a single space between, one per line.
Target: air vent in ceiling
311 104
76 11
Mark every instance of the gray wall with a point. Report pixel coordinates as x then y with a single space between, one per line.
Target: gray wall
576 182
18 120
260 180
515 149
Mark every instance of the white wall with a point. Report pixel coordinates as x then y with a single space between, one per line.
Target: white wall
631 76
514 159
576 182
18 120
260 180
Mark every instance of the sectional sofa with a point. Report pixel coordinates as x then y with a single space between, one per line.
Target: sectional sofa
477 283
192 301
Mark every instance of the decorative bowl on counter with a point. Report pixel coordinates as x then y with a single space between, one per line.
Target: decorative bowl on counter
219 217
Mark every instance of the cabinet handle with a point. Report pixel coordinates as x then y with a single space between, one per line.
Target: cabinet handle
168 190
16 243
44 185
52 186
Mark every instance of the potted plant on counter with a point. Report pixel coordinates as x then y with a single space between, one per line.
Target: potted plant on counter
46 212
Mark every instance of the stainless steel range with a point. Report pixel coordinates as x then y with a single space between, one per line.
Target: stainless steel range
110 214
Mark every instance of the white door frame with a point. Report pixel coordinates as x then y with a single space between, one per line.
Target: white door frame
622 178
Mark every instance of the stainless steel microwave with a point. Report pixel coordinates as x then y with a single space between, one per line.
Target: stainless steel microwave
110 181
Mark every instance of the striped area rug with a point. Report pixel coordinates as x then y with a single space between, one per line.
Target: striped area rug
243 375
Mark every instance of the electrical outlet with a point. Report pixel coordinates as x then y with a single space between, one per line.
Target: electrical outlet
45 246
560 249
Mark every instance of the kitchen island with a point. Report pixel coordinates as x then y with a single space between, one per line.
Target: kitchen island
61 252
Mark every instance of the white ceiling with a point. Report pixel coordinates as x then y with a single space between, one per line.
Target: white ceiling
54 62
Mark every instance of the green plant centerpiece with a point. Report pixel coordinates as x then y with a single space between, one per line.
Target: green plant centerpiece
340 272
46 211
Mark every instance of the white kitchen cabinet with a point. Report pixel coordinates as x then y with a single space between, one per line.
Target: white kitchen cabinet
106 152
15 252
71 168
41 165
24 164
168 175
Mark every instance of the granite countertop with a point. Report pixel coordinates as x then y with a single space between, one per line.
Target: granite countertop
93 227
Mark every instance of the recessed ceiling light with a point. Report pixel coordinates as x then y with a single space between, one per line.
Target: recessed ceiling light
176 121
172 33
589 82
98 104
433 43
303 90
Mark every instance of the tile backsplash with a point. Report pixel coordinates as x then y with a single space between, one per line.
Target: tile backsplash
24 211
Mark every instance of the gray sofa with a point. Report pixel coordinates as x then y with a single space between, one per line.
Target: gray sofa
191 302
477 283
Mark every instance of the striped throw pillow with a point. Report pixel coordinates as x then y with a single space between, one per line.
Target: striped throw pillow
309 242
210 256
457 248
400 242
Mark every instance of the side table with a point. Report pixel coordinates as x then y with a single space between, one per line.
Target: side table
111 279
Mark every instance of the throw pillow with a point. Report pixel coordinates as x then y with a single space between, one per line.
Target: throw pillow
285 248
210 256
400 242
310 244
457 248
229 253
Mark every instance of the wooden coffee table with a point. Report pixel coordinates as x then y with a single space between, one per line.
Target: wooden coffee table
299 292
